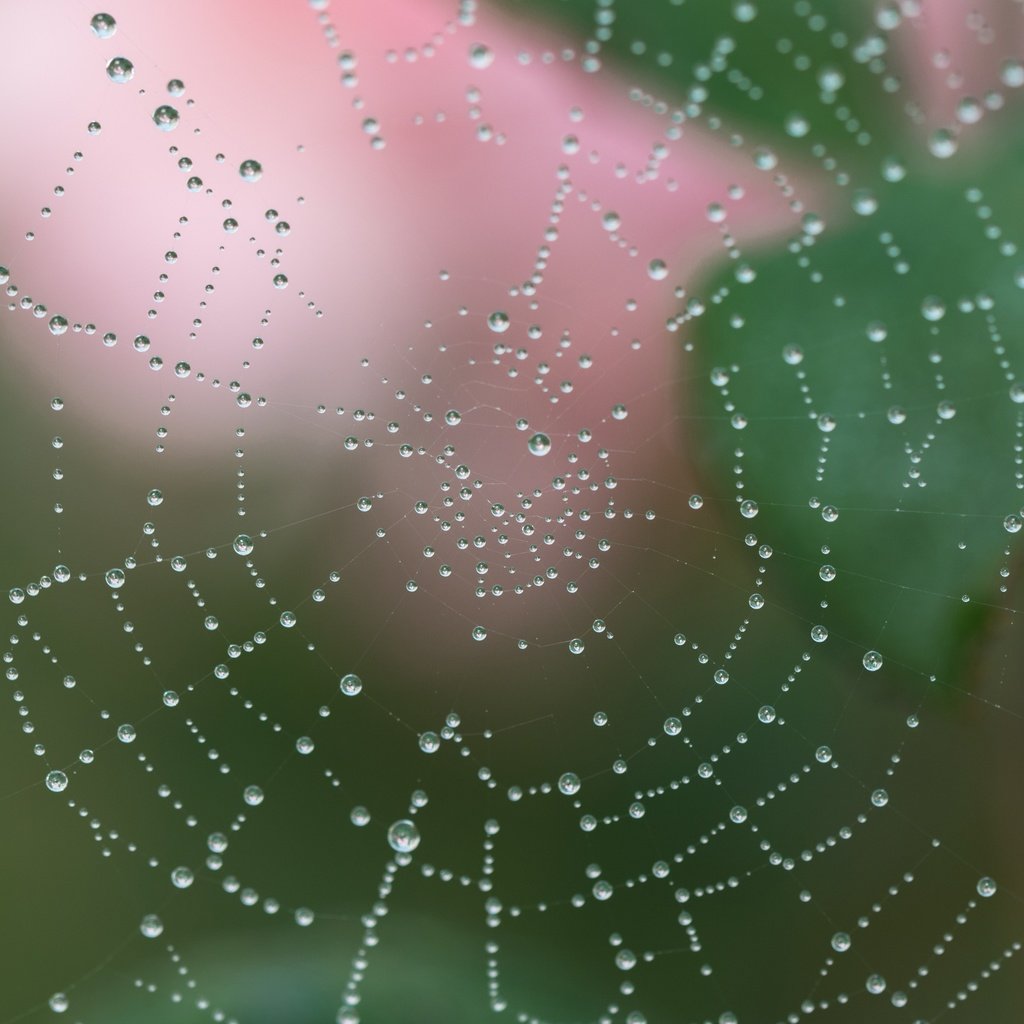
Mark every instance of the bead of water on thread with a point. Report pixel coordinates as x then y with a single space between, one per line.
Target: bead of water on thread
403 836
250 170
569 783
350 684
498 322
103 25
120 70
182 877
875 984
166 117
986 886
539 444
480 56
872 661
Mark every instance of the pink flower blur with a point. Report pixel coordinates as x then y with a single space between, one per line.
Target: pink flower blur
423 189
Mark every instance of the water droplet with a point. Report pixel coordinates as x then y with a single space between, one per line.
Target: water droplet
250 170
539 444
830 78
864 202
986 887
182 877
350 684
403 836
242 544
120 69
480 56
872 661
942 143
1011 74
151 926
56 781
103 25
797 126
569 783
499 322
114 578
165 118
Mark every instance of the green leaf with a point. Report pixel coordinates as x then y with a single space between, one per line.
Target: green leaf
920 539
705 56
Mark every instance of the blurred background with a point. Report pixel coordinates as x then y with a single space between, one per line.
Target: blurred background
512 509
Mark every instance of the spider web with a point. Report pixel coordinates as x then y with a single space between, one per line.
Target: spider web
394 633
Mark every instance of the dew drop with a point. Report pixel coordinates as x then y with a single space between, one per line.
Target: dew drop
480 56
569 783
403 836
350 684
499 322
120 70
165 118
103 25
